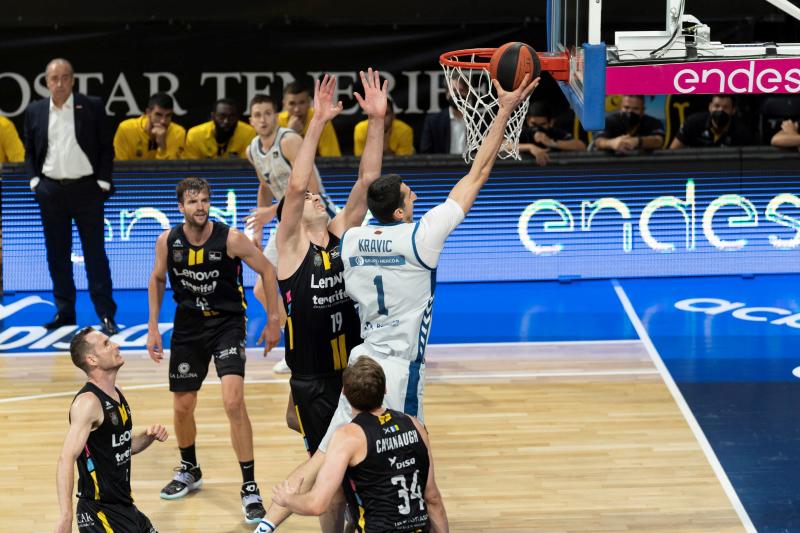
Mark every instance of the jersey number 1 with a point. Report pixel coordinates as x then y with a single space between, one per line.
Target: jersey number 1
378 281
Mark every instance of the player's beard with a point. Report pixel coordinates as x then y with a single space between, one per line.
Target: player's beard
192 222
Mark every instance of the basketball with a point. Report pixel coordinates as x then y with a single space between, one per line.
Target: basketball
511 62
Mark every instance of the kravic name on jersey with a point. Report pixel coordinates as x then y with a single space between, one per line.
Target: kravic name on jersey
375 245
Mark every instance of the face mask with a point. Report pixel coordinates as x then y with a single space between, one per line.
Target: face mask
630 120
544 129
720 118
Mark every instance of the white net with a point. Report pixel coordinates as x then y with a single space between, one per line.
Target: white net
474 96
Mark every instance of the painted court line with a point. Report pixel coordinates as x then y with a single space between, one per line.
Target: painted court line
256 351
464 376
684 407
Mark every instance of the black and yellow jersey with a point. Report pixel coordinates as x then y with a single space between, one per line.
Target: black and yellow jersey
104 465
322 324
389 484
205 278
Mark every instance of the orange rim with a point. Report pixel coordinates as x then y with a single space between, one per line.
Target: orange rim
451 58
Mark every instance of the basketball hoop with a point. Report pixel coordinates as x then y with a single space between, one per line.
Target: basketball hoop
467 76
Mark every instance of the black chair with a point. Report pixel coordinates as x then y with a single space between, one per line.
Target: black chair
774 110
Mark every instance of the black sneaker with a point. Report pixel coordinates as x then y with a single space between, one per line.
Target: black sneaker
184 481
252 504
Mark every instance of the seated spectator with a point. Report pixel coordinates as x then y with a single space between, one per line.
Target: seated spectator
788 136
630 129
445 132
398 138
774 109
152 135
540 135
718 126
222 136
11 149
297 113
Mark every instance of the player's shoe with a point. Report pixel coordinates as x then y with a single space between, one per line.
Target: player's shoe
252 504
183 482
281 367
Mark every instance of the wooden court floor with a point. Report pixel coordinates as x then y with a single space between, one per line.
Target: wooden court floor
539 437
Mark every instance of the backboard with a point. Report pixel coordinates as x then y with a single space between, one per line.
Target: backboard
573 27
682 58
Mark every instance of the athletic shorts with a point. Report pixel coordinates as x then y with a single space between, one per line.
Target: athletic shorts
315 401
405 383
271 250
96 517
196 340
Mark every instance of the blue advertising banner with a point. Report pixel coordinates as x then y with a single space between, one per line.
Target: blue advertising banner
576 221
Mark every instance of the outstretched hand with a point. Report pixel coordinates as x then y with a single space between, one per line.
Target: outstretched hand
509 100
375 97
324 108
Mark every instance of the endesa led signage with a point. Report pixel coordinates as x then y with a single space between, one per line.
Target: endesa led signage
602 218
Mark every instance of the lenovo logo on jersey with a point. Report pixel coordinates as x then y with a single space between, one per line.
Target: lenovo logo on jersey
327 281
125 437
717 306
196 276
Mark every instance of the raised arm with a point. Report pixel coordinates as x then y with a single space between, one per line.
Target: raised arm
85 414
155 295
240 246
290 146
289 230
374 104
466 190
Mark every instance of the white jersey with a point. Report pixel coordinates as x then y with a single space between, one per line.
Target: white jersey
390 271
276 169
272 164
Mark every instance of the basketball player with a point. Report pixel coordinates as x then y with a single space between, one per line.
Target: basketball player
384 454
322 323
391 267
204 262
272 153
101 440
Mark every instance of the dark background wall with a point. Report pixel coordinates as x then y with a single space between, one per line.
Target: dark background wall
39 13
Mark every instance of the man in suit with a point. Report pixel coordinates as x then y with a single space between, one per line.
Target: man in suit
445 132
69 156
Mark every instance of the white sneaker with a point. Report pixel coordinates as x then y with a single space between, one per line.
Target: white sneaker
281 367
